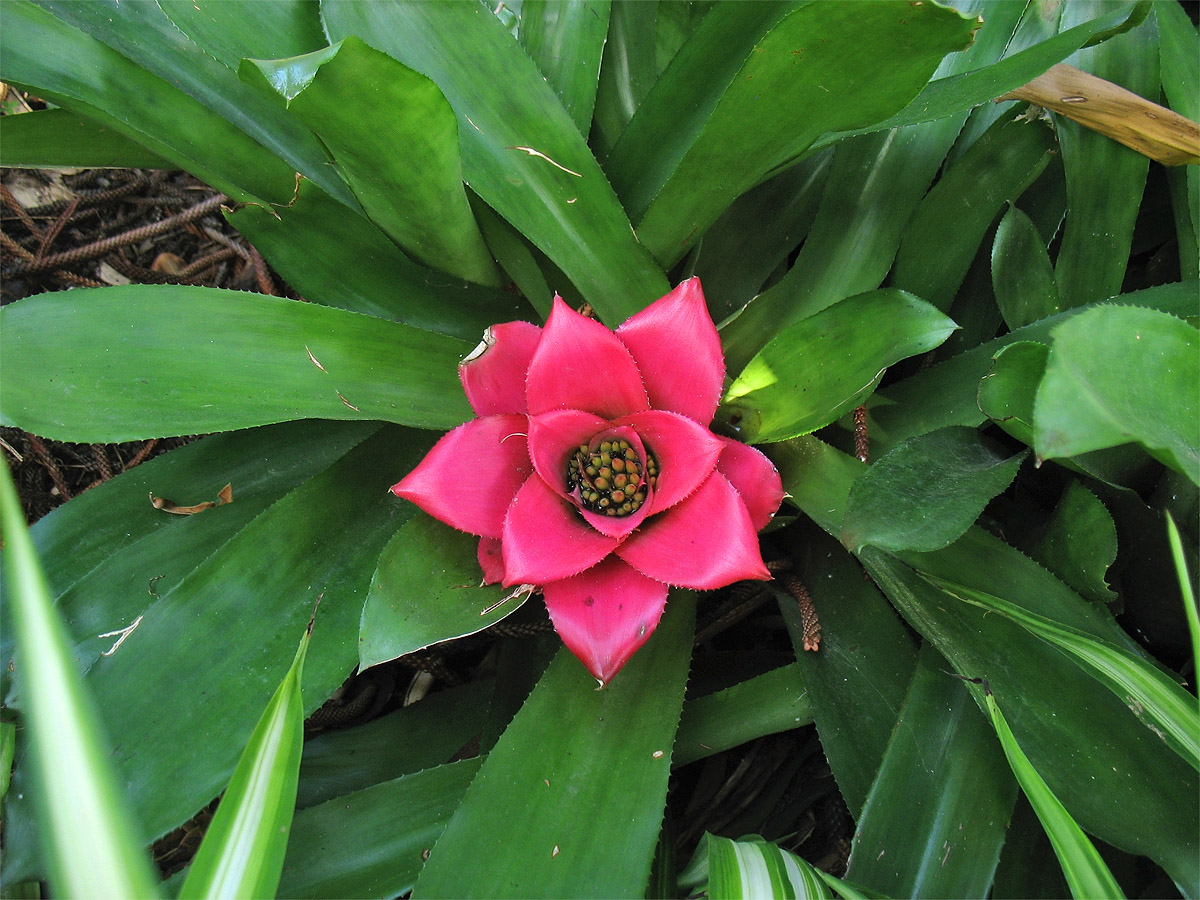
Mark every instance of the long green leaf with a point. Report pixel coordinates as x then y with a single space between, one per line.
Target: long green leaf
1158 701
948 226
583 771
939 808
753 869
59 137
627 71
347 261
766 704
566 40
1105 179
1185 589
1086 872
233 30
248 598
242 851
811 73
822 367
404 168
153 45
92 846
1022 275
143 361
372 842
521 151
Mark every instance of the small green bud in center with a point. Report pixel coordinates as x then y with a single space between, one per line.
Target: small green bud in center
612 479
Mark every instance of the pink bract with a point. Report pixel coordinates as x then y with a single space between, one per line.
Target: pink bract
592 473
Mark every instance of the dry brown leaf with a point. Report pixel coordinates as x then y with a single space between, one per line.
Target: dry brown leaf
1122 115
224 496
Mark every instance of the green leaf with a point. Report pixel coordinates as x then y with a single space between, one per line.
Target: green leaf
233 30
823 366
59 137
243 848
947 393
1185 588
627 70
1120 374
1116 778
1159 702
92 844
939 808
371 843
766 704
950 223
875 183
145 360
521 152
926 491
759 869
320 539
412 738
74 70
1007 392
813 72
756 233
427 589
1086 873
566 40
405 169
8 745
857 680
1079 543
1105 179
1022 276
980 83
590 789
1180 72
363 271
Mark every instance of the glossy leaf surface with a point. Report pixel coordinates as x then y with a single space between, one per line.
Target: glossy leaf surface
521 151
92 845
1007 392
426 589
243 847
926 491
943 784
1118 374
142 361
585 770
233 30
823 366
403 166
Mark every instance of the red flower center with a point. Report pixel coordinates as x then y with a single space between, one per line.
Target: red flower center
611 478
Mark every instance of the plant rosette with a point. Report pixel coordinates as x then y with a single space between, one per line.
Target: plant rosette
591 471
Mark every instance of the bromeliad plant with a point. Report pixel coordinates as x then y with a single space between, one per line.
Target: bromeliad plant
995 305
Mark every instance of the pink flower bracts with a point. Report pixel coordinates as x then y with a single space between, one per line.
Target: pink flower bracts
591 471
